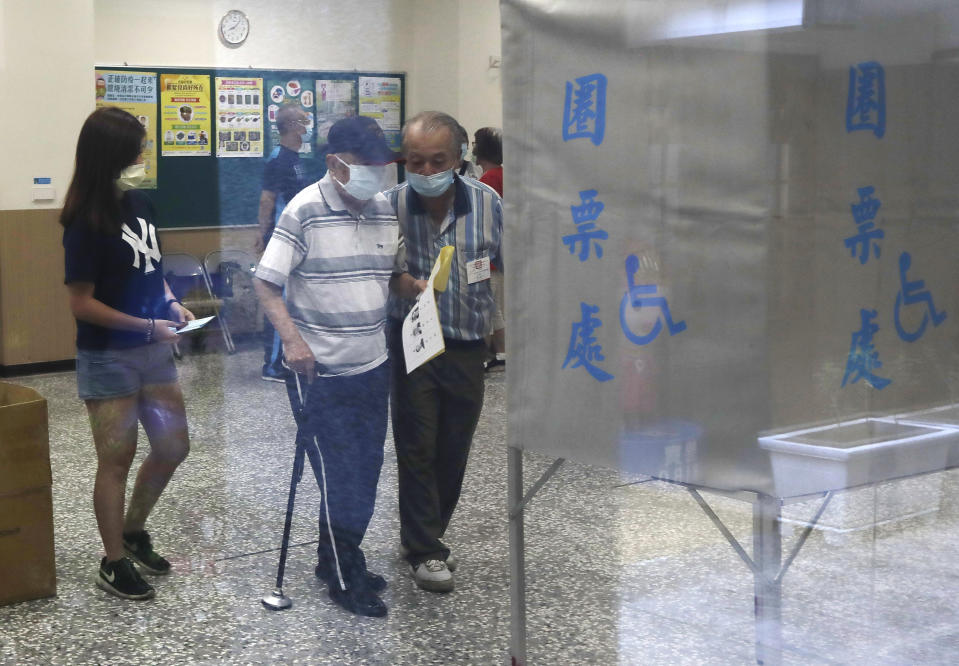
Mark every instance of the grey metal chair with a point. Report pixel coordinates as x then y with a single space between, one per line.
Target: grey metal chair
230 276
189 281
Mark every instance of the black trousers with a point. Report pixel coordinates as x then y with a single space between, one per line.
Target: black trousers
435 410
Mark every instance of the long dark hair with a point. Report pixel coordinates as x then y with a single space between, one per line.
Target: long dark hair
110 141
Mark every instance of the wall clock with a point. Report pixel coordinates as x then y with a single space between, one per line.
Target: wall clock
234 27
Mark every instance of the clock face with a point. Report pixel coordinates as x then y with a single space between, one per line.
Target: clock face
234 27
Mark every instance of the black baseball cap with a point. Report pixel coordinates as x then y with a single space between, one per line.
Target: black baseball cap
361 136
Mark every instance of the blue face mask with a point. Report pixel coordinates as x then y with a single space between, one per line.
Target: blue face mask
430 186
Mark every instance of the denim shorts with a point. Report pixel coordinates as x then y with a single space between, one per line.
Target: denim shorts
112 373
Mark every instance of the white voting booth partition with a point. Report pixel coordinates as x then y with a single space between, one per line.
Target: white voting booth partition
731 237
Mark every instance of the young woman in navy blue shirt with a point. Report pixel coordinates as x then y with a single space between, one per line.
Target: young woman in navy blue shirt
127 318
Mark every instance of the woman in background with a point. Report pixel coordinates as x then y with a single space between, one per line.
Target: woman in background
126 321
466 168
488 154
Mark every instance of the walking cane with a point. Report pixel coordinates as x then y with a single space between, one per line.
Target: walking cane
277 600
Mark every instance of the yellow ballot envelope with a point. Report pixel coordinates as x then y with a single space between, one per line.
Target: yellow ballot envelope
440 274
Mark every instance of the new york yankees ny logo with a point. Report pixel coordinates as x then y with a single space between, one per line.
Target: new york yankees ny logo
145 244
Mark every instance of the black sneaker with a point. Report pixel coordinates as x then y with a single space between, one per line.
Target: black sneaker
359 600
121 579
139 548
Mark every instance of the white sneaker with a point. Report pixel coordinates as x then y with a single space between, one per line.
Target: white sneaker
450 561
433 575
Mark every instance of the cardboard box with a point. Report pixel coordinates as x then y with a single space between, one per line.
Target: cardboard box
27 567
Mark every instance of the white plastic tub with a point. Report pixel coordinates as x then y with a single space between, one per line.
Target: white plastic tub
854 453
941 417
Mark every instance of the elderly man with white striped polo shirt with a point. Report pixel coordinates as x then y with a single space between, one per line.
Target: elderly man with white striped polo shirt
334 249
436 407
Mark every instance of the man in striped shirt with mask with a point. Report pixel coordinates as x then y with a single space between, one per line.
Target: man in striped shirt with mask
334 249
436 407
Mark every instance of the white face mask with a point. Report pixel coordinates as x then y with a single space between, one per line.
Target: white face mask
430 186
132 177
464 151
365 181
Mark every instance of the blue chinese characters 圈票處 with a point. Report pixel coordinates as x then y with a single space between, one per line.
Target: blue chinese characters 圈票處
583 347
586 231
864 214
863 358
584 112
866 100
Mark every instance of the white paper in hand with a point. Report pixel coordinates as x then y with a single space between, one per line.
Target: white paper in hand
193 325
422 333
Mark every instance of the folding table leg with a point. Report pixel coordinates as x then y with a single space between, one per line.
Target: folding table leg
767 556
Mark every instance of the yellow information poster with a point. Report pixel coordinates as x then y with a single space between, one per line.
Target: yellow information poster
239 117
380 100
185 115
135 93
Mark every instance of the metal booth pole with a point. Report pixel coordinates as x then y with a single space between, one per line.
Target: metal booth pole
517 502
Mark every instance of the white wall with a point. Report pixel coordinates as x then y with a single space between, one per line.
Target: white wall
432 47
284 34
480 99
50 48
46 75
443 45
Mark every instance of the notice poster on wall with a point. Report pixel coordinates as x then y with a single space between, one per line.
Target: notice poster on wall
239 117
335 100
380 99
185 115
295 92
135 93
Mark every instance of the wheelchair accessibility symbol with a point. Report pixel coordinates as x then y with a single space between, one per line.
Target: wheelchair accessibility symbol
638 296
914 293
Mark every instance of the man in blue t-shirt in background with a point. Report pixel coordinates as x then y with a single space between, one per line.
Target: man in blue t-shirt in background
284 176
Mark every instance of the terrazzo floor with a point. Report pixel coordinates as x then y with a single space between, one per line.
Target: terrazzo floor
618 572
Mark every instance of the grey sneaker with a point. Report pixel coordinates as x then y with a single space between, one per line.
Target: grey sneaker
432 575
450 561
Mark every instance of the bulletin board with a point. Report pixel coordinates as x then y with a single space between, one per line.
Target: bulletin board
211 132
